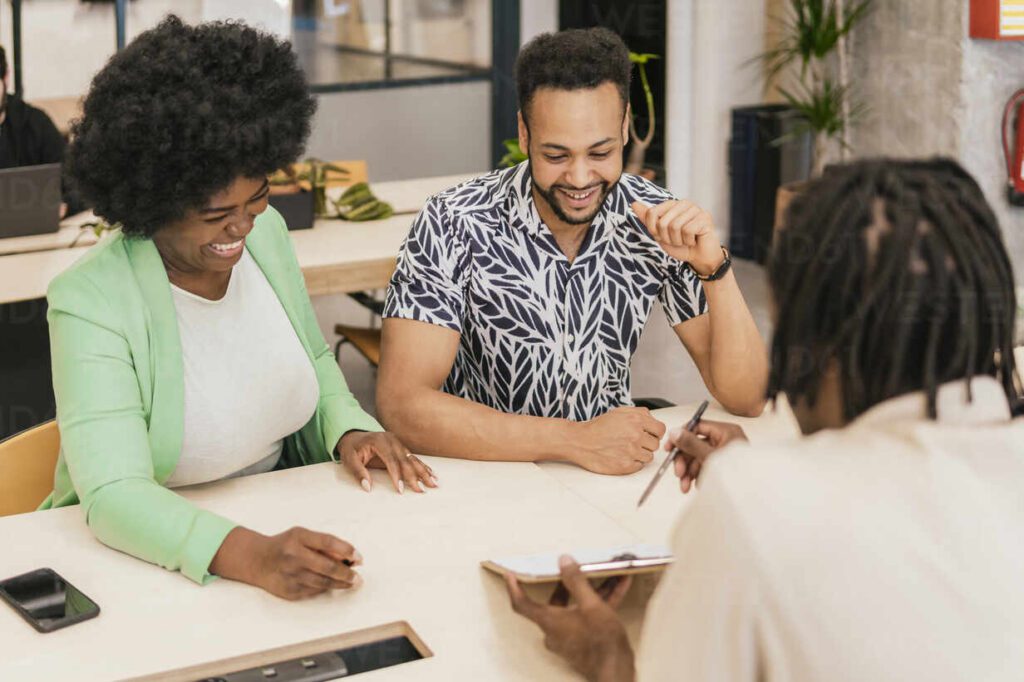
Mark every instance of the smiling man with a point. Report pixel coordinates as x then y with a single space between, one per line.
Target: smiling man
520 296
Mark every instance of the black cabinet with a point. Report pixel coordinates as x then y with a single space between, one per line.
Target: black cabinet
26 388
767 149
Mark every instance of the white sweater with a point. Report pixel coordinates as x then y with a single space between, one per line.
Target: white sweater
891 550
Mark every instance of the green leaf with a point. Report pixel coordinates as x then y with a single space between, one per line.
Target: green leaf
514 156
336 169
642 57
822 108
811 31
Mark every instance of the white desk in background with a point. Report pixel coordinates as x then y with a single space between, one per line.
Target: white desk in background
336 256
422 566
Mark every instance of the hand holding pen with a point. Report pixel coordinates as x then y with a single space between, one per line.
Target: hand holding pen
690 426
694 446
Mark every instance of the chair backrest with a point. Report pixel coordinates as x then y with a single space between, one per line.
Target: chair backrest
61 110
27 463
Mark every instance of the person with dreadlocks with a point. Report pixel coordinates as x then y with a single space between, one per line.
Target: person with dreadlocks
886 545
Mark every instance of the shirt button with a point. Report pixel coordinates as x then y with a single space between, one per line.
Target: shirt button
570 338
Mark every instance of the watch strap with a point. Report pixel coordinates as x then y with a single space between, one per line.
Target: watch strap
719 272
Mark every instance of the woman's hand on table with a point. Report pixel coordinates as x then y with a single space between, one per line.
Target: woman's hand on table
694 448
359 451
295 564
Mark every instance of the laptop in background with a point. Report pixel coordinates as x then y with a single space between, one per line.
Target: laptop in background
30 198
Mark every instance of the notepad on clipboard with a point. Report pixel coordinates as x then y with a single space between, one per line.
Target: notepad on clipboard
595 563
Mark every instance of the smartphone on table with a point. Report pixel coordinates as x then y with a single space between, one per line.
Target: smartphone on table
46 600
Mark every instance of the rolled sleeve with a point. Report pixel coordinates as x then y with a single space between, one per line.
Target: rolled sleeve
681 294
428 283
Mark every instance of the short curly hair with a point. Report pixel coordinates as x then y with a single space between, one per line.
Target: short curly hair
181 113
575 59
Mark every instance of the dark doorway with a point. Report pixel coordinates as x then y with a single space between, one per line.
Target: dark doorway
641 23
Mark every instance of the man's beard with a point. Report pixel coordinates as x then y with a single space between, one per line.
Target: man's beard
551 198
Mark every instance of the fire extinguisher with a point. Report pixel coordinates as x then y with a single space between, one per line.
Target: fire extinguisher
1013 147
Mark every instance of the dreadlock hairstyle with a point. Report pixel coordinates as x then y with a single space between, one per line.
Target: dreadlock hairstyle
896 272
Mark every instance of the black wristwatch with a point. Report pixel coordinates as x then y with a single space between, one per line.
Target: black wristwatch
719 272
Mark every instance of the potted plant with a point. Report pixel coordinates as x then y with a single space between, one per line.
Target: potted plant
814 36
299 191
812 61
638 152
513 154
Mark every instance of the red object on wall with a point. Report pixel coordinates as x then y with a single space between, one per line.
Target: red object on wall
997 19
1013 147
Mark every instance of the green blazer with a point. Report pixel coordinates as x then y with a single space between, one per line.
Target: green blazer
119 384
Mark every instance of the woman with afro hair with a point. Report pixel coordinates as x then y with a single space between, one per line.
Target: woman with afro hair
185 348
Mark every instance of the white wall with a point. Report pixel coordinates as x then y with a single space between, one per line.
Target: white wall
407 132
274 16
709 41
726 34
679 56
536 17
992 71
65 42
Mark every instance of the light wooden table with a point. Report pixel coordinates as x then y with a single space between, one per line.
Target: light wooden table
422 566
336 256
616 497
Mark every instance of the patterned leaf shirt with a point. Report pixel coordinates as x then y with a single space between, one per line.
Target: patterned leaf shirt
539 335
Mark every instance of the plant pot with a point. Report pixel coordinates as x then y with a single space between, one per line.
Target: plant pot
296 206
783 196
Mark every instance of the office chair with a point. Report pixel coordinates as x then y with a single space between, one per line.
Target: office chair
27 462
366 340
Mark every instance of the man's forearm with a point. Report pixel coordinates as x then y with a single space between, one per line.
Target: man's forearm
431 422
738 360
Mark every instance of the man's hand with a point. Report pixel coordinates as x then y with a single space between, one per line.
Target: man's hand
296 564
694 448
358 450
621 441
586 633
685 231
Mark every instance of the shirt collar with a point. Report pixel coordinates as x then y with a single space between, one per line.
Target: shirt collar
522 210
988 405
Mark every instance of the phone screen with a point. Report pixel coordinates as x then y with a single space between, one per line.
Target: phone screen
46 600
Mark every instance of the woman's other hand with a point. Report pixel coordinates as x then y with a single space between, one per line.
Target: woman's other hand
296 564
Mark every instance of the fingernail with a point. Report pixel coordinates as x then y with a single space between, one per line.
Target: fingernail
357 558
366 484
565 561
401 487
433 479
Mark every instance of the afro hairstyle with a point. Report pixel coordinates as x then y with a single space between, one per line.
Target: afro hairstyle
181 113
574 59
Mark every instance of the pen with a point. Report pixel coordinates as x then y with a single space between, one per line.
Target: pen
690 426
